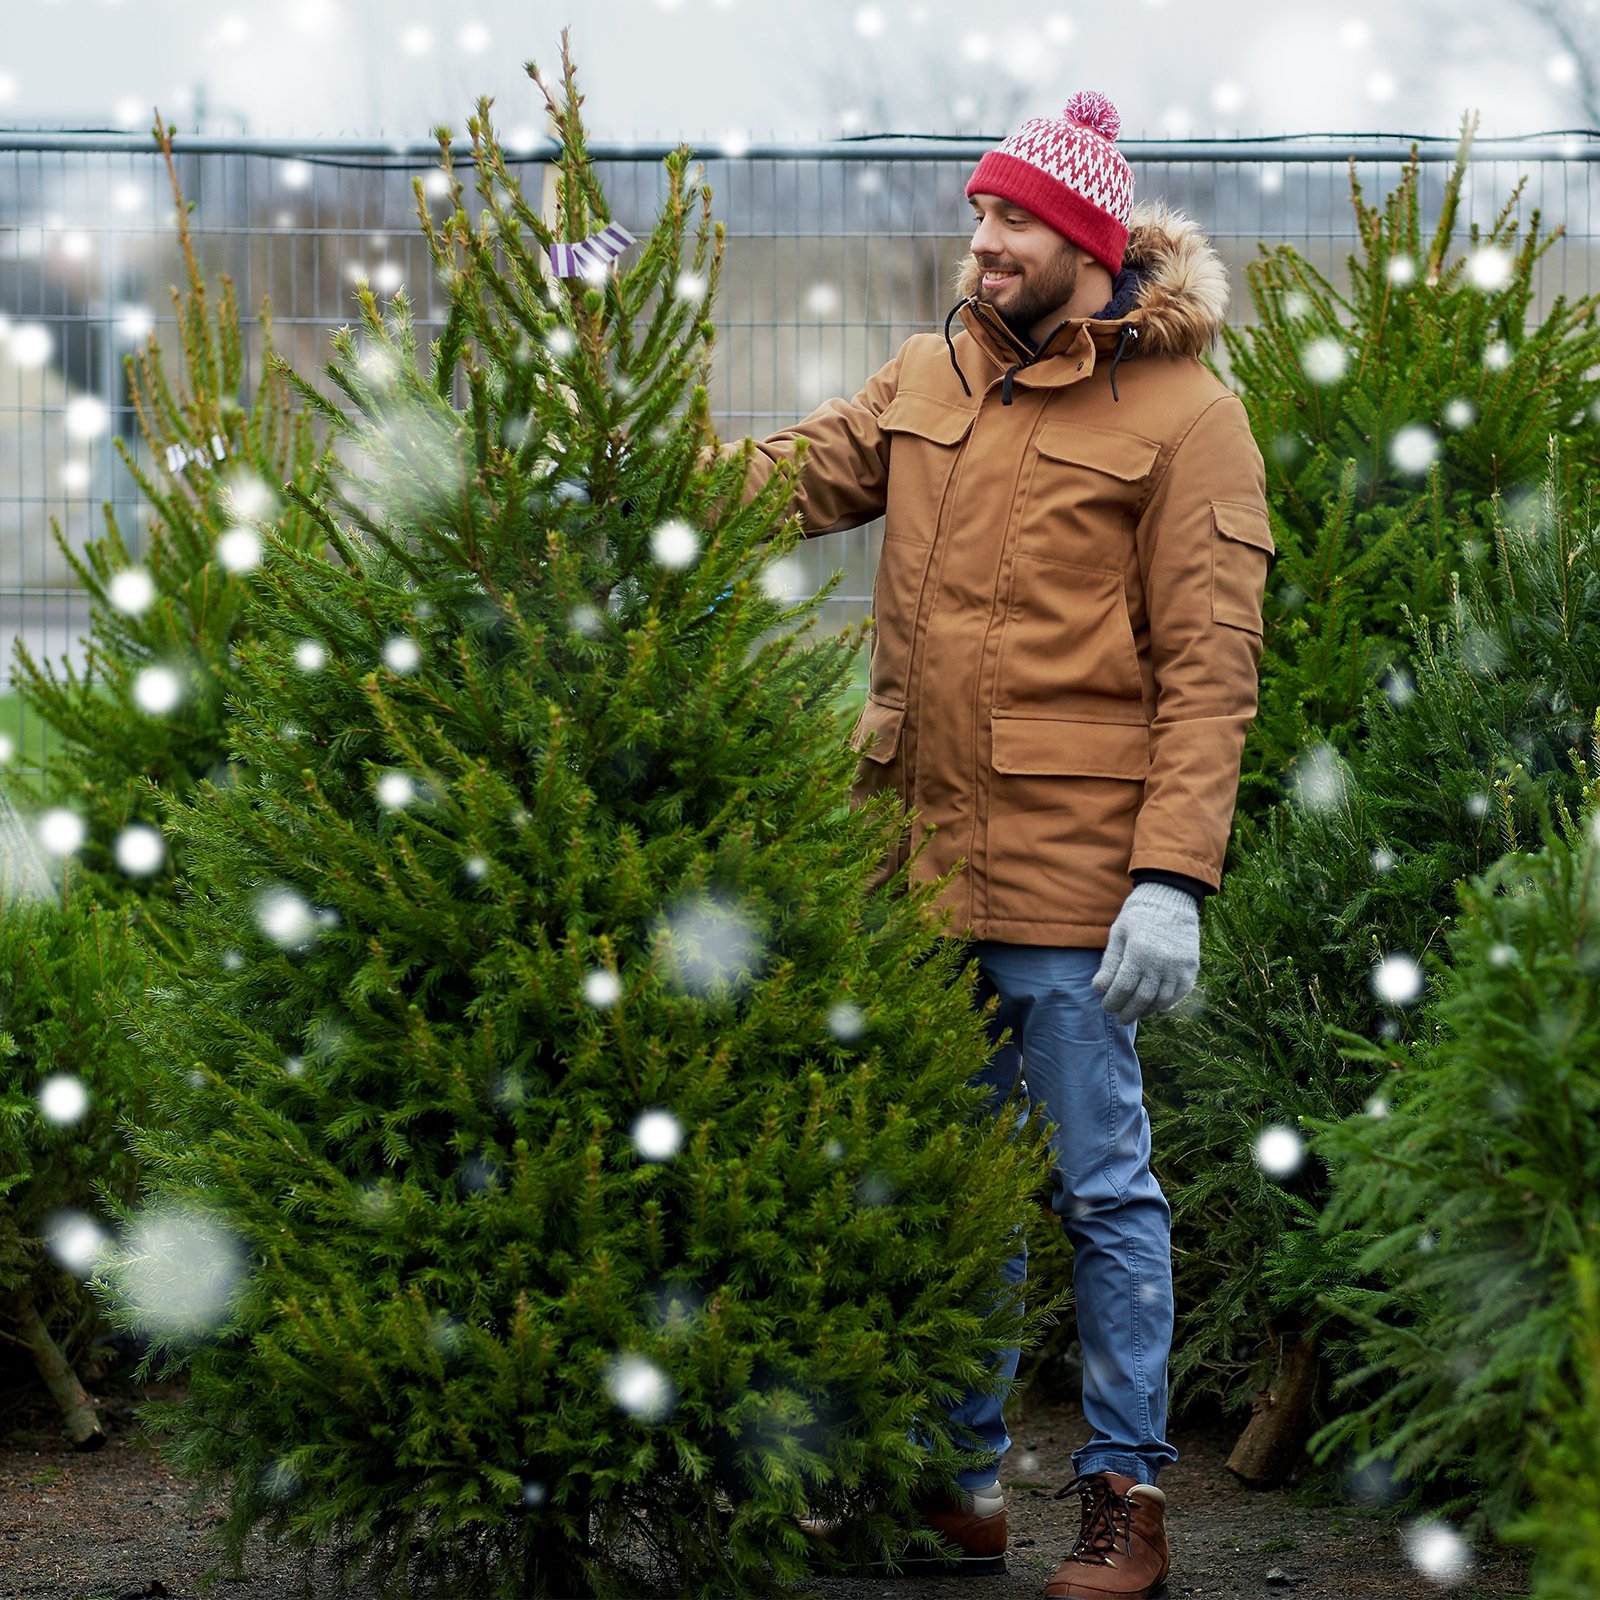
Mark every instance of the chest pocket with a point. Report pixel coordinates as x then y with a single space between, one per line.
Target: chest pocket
1087 489
924 435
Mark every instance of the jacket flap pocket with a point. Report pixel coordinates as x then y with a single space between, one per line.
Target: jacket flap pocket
1122 455
1246 523
928 418
877 730
1047 746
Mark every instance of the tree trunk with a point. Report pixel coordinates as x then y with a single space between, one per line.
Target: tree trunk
1275 1437
79 1417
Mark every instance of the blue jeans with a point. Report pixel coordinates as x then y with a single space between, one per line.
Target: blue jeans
1078 1063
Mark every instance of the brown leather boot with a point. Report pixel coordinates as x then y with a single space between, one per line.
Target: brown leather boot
971 1525
1121 1553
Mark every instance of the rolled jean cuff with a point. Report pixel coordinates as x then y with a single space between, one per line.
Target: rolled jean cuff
1124 1466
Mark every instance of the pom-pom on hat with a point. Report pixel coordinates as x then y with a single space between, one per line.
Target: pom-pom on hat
1068 172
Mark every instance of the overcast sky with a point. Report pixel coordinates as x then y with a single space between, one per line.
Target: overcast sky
699 68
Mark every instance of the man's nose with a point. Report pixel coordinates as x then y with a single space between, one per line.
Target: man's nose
986 238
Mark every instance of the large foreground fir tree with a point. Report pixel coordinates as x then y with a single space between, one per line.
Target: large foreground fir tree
574 1174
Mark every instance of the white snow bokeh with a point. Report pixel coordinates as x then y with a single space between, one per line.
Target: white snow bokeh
1459 414
287 919
709 944
690 286
1436 1550
1382 860
157 690
76 1241
177 1271
1402 270
87 417
1489 269
822 299
1279 1151
131 591
63 1099
1398 980
784 579
602 988
846 1021
675 544
640 1388
657 1135
62 832
240 549
30 345
1324 360
1497 355
1414 448
402 654
395 790
310 655
140 850
1318 780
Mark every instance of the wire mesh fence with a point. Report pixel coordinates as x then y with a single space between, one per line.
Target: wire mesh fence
836 253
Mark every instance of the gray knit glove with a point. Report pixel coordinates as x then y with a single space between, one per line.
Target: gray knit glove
1153 954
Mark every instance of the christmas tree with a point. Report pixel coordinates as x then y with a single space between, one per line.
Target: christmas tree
580 1176
1327 919
147 708
1473 1183
1391 415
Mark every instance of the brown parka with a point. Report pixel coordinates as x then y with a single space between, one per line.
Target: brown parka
1067 610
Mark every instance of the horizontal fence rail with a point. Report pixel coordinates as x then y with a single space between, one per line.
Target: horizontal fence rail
836 253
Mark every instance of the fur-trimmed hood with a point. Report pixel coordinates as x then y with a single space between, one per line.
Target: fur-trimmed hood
1180 297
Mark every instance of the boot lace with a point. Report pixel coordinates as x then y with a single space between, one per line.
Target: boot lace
1107 1519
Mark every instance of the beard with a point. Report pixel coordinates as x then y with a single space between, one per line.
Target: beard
1035 294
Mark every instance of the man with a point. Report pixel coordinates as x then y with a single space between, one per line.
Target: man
1067 620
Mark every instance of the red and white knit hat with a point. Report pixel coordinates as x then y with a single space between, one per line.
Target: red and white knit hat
1069 173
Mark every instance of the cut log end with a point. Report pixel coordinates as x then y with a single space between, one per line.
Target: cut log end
1274 1439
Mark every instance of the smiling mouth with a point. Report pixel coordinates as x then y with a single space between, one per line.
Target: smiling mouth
993 277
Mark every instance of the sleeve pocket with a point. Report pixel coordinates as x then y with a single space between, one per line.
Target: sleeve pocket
1241 551
877 730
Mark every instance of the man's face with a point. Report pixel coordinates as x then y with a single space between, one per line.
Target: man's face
1029 270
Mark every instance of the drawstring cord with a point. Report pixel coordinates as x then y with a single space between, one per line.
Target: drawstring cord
951 346
1130 335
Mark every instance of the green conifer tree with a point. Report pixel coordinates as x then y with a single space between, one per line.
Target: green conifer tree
1474 1182
1357 869
215 463
599 1152
149 704
1391 414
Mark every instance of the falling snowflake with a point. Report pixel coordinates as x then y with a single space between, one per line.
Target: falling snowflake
1497 355
1397 979
1438 1551
131 591
657 1136
63 1099
1377 1107
1399 687
473 39
396 790
157 690
602 988
783 580
1501 955
584 620
31 344
1477 806
560 342
62 832
1414 449
1458 414
416 40
286 919
640 1388
870 22
1324 361
1489 269
310 655
140 850
1402 270
534 1494
401 654
675 544
846 1022
690 286
240 549
1382 860
1279 1151
822 299
1317 781
177 1271
710 944
295 174
87 417
76 1241
475 867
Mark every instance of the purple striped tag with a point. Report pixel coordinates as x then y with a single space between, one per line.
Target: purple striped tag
573 260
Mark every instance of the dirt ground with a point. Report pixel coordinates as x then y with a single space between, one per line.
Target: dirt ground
115 1524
